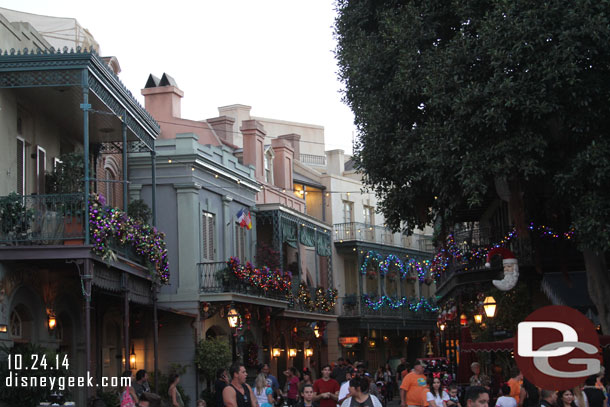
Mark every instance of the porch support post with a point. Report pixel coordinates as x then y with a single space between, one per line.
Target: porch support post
86 278
125 176
85 106
155 335
126 319
153 159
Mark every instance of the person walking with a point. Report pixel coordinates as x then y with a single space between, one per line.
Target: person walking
595 395
262 391
238 393
326 389
565 398
175 398
548 398
436 397
414 387
128 394
359 389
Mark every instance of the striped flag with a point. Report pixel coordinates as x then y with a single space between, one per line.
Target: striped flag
244 219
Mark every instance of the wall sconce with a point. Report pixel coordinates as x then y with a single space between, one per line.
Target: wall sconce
489 305
233 316
463 320
386 339
442 327
292 353
478 318
406 339
52 321
316 331
276 352
308 352
372 343
3 328
132 359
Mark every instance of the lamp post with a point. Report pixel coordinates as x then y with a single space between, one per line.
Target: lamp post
233 318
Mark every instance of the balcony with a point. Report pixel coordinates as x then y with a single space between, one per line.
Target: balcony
214 278
353 308
356 231
311 159
42 219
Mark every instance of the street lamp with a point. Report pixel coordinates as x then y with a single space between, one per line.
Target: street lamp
489 305
233 318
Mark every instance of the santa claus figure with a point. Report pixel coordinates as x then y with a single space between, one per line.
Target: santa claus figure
511 268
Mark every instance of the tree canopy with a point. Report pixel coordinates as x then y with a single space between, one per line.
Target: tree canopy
451 97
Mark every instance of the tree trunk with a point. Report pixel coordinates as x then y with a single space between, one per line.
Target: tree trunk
598 280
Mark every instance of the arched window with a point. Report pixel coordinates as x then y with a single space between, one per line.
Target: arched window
16 325
109 190
111 175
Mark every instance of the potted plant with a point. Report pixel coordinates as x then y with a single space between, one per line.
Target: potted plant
15 218
139 211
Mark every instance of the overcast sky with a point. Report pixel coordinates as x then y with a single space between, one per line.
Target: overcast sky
274 55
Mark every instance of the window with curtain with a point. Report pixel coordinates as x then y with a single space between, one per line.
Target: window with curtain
240 242
348 212
208 236
20 166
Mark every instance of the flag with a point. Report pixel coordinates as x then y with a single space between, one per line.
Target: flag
244 219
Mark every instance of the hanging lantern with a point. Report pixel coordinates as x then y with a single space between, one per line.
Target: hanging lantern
442 327
489 305
292 353
233 317
276 352
463 320
478 318
308 352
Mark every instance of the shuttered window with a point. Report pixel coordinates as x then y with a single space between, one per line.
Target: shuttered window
208 240
240 242
20 166
41 167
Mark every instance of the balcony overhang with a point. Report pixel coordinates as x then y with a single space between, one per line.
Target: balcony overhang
355 246
242 298
309 316
459 277
56 83
304 218
394 323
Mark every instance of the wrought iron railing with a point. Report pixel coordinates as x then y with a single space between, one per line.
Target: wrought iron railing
215 277
313 159
378 234
298 305
42 219
354 306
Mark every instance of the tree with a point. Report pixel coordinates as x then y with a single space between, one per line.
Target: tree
212 354
472 93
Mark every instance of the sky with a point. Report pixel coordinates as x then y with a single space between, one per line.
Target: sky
274 55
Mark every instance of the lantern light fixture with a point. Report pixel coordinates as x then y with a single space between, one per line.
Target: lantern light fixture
463 320
233 316
478 318
292 353
489 305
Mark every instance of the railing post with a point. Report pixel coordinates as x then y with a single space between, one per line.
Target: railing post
85 106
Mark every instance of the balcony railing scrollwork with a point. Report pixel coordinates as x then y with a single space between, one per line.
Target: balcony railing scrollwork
356 231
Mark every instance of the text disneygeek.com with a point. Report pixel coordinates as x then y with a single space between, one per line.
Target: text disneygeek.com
17 380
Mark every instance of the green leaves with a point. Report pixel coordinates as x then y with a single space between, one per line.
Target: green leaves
450 95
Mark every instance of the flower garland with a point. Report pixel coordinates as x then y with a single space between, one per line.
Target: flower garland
413 304
263 278
326 299
108 223
374 260
304 297
441 259
252 354
372 263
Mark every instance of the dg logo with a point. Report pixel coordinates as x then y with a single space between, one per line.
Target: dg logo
557 347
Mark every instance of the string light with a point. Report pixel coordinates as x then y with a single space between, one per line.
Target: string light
263 278
414 304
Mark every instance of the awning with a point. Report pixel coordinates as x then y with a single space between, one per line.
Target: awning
508 345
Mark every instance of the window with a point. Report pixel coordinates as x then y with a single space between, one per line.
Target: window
369 215
41 167
208 241
20 166
268 162
240 242
109 187
348 212
16 325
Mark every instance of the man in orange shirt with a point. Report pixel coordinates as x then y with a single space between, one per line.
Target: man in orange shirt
515 386
414 387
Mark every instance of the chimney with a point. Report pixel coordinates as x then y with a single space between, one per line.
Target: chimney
335 162
162 97
223 126
282 163
295 142
254 149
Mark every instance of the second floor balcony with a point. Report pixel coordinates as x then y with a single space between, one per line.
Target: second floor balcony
218 280
356 231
